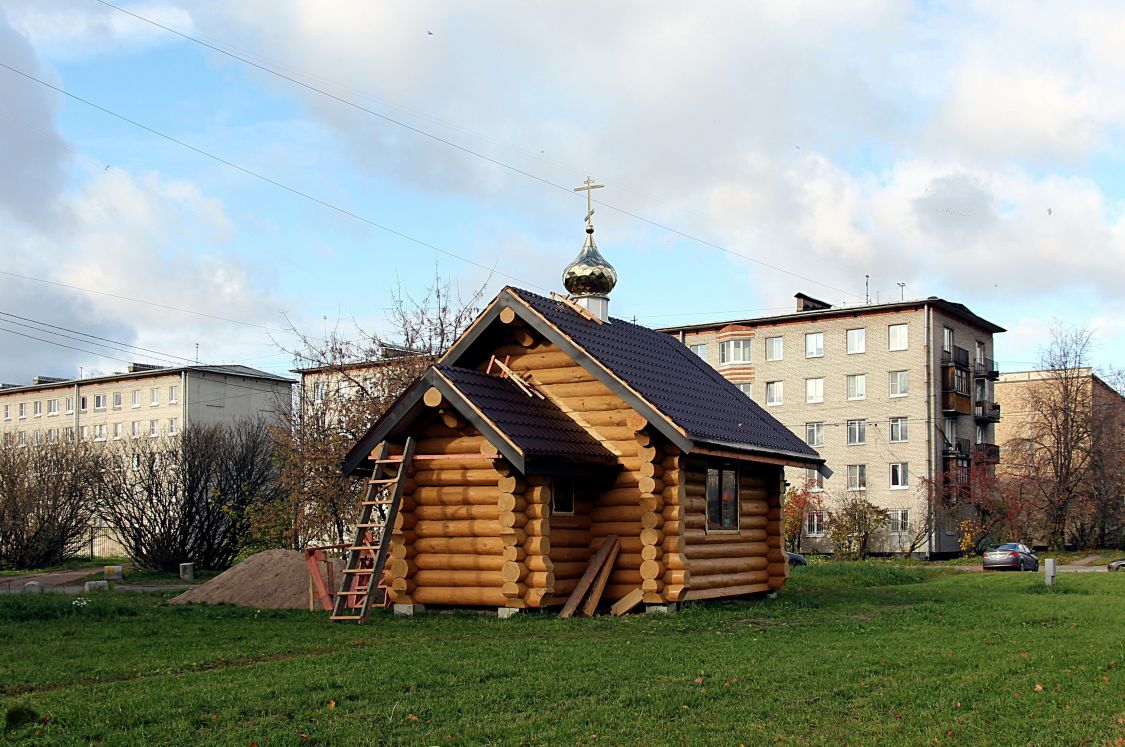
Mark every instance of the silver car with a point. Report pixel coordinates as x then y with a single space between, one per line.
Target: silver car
1012 556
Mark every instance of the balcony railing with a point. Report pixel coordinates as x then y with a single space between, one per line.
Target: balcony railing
957 447
988 412
959 357
985 368
986 454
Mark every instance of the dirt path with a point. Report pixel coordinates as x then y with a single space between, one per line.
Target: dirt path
51 579
1088 560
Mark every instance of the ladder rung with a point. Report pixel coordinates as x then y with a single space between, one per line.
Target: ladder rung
392 460
386 481
369 526
361 593
376 503
359 570
346 617
364 547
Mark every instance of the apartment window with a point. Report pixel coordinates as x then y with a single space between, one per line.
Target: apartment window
99 402
980 352
320 391
857 432
84 433
154 396
99 432
82 404
722 497
961 381
21 409
814 345
775 348
950 525
7 412
69 405
68 434
775 392
897 384
8 439
745 388
174 394
857 477
814 481
562 496
37 408
857 341
52 407
814 524
734 351
947 339
949 428
153 427
980 435
898 430
52 435
117 400
36 437
814 390
857 386
117 429
700 350
897 338
899 520
900 477
21 439
136 398
173 424
136 430
814 434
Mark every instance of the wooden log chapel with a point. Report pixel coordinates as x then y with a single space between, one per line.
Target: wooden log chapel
549 427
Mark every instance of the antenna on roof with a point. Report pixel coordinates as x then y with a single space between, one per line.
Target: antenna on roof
867 288
197 353
901 291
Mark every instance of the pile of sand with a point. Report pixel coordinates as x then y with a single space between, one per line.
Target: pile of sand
274 579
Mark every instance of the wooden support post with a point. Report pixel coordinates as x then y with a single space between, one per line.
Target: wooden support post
592 571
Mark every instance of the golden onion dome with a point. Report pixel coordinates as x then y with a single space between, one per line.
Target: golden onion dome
589 274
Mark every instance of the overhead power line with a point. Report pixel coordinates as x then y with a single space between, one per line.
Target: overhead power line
464 149
90 339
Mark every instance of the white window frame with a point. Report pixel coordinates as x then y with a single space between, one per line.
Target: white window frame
21 410
136 398
154 397
898 429
860 388
135 430
52 407
775 348
173 394
173 426
899 476
99 432
817 347
99 403
898 383
7 412
862 338
699 348
814 524
745 388
857 478
117 430
814 480
727 349
153 428
812 395
857 432
899 520
892 329
70 405
37 408
947 340
117 400
815 427
775 393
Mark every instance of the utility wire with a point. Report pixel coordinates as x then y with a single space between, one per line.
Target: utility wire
274 182
121 347
468 151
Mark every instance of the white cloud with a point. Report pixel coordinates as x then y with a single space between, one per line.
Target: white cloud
74 29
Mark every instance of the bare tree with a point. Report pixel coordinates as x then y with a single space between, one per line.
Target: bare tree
188 498
348 383
46 503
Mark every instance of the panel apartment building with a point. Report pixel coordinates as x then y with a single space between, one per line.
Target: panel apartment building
891 394
145 401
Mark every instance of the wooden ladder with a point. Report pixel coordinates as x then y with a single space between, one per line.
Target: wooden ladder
377 515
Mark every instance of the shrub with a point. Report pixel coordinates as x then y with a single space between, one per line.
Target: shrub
851 522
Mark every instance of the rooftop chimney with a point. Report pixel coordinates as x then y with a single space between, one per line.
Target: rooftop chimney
808 303
589 278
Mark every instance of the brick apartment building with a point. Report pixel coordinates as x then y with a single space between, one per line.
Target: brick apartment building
891 394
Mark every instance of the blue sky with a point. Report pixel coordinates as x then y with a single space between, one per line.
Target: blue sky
971 151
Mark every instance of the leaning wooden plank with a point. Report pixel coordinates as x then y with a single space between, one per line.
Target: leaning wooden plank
627 602
588 577
590 606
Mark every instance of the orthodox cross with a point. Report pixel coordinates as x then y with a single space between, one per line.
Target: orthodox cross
589 189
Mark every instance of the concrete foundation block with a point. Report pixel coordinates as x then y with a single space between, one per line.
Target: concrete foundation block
409 610
96 586
32 587
113 573
771 595
505 612
662 609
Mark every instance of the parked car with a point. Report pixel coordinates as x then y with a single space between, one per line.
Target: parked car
1116 565
1013 556
795 559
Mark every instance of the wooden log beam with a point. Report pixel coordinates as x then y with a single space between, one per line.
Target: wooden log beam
719 566
455 495
576 554
456 513
433 397
455 477
460 596
456 562
475 528
450 445
719 580
726 550
694 594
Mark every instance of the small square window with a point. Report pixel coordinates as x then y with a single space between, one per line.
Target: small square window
857 386
857 477
897 337
857 432
899 520
814 524
562 496
775 392
700 350
814 345
745 388
52 407
900 478
898 430
857 341
117 400
898 386
722 497
99 402
814 390
814 481
814 434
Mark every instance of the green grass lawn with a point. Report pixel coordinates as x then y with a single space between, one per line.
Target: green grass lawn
873 653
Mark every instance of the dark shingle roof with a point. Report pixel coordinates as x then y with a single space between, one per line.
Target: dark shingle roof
678 383
536 426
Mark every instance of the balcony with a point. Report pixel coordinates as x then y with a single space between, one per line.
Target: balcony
956 403
986 454
956 447
985 368
959 357
987 412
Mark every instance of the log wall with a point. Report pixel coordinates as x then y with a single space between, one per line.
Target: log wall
727 562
